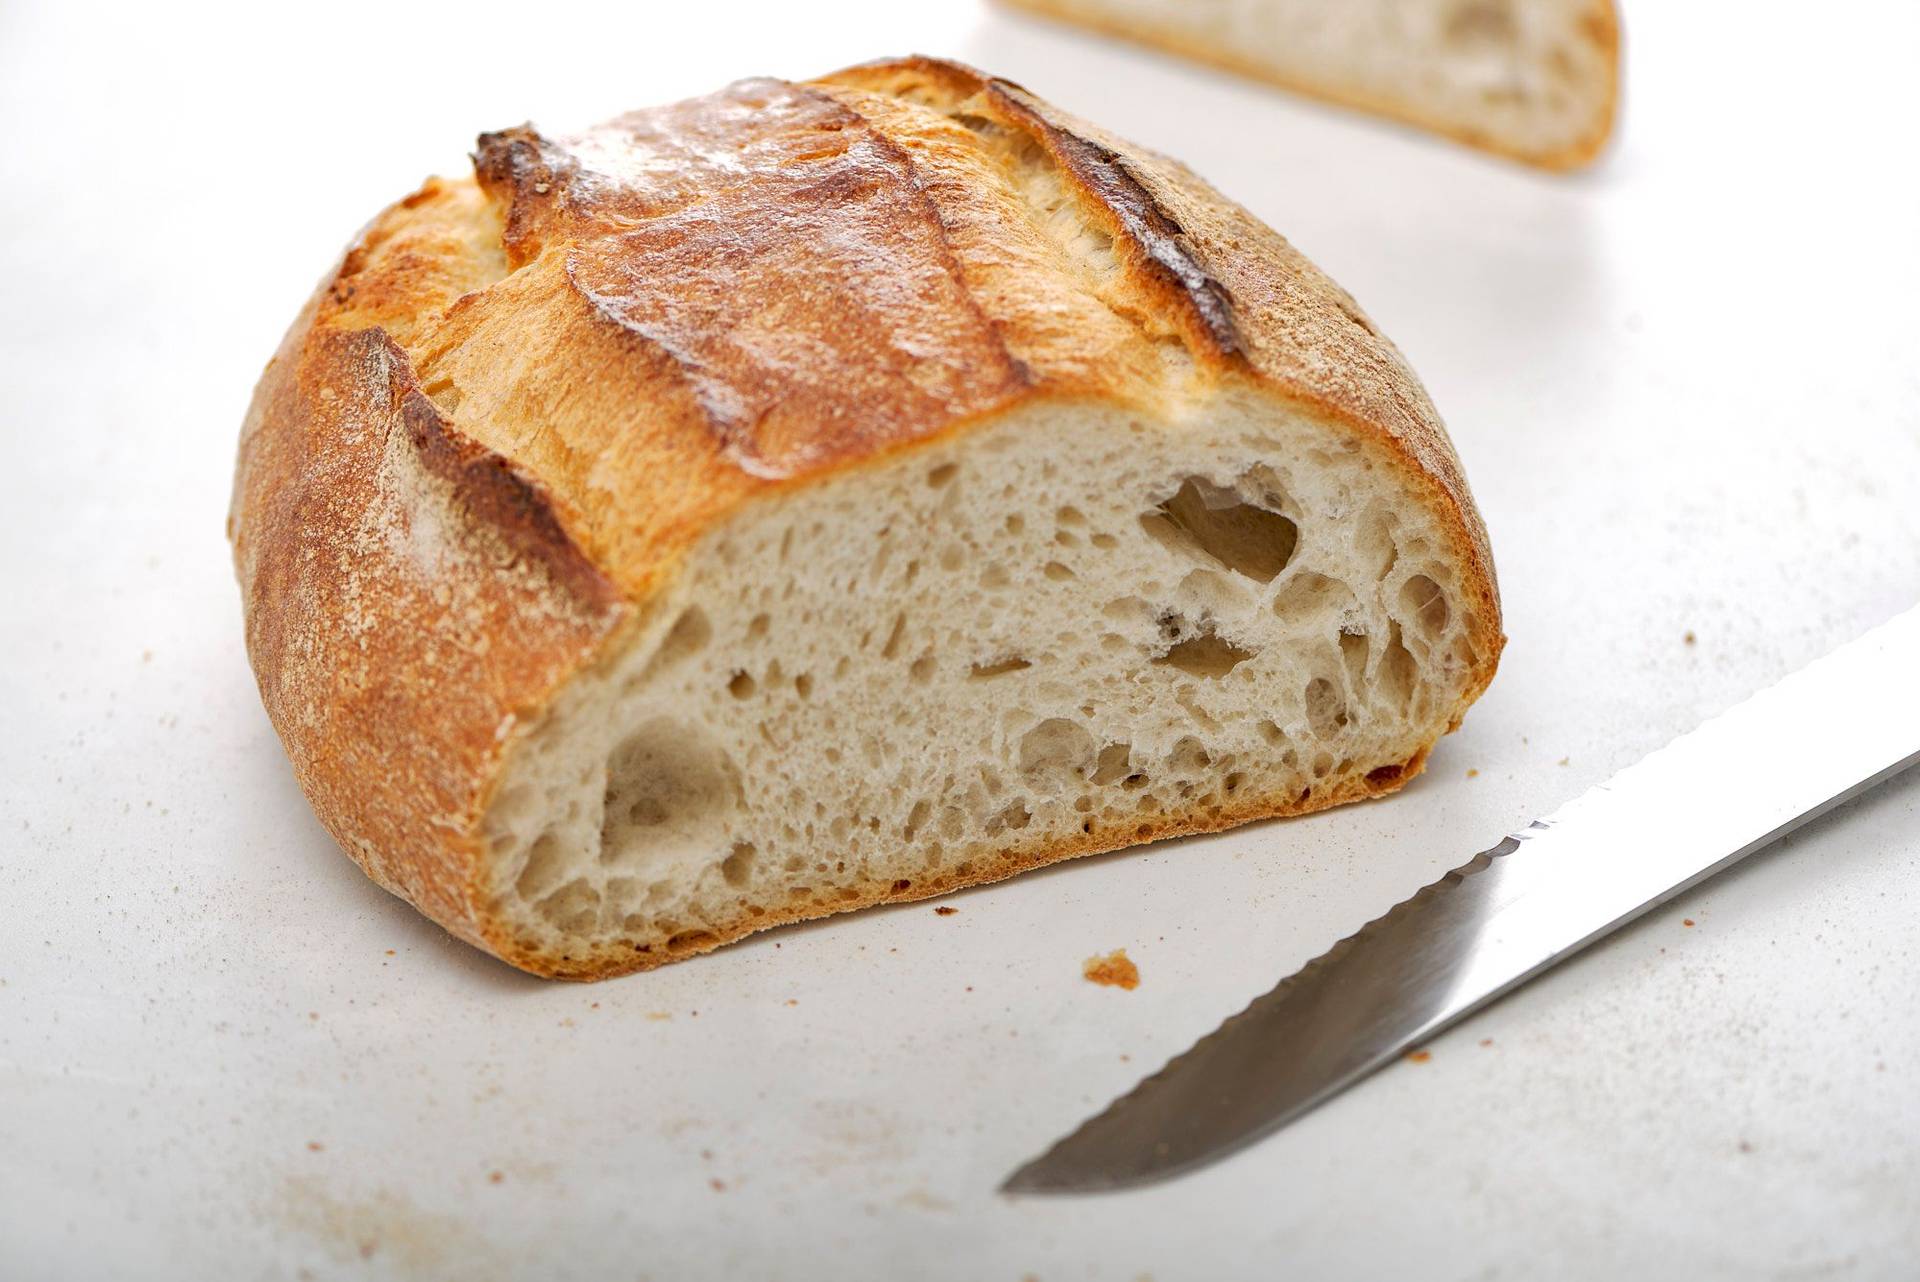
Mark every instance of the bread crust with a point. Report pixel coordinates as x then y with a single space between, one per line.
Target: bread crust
1600 25
505 418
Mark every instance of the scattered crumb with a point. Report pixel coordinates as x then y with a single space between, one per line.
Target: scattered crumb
1473 774
315 1146
1686 921
1126 1059
718 1186
706 1154
313 1014
495 1177
594 1006
1419 1057
1486 1041
1690 639
945 911
658 1014
1745 1147
1115 970
389 952
1565 760
146 656
793 1001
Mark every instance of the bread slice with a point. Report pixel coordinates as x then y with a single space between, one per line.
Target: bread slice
813 495
1534 80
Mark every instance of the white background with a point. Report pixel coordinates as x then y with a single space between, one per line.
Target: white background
1686 388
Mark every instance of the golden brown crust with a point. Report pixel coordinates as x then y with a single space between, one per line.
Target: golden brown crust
1600 26
502 423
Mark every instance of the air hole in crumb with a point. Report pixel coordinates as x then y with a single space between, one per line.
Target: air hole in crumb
994 576
803 686
922 668
1070 515
1353 652
916 820
1326 708
1016 523
1217 524
545 862
758 628
1114 763
687 637
1204 655
1104 541
1271 733
1398 671
1015 816
939 476
737 867
741 686
1058 572
1422 598
1385 774
1000 668
1056 748
892 647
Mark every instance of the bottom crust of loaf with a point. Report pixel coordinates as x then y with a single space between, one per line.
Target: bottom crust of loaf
612 962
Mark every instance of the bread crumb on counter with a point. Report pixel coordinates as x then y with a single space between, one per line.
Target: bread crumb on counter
945 911
1419 1057
1115 970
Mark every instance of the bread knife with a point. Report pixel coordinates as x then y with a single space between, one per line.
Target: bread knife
1674 819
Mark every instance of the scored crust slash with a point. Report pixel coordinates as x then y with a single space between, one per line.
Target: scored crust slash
814 495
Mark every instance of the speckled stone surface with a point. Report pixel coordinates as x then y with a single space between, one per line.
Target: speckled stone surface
1686 388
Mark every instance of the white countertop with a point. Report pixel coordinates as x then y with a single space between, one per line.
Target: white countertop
1686 388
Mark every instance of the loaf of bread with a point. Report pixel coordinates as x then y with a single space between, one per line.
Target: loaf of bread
814 495
1533 80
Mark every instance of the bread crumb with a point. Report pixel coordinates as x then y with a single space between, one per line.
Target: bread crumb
389 952
1419 1057
1473 774
658 1014
1115 970
793 1001
315 1146
1486 1041
719 1186
1565 760
495 1177
945 911
1686 921
1690 638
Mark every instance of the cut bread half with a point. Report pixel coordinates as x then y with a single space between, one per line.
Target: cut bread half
1533 80
816 495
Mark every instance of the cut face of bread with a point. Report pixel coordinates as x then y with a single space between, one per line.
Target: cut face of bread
1076 630
1535 80
813 495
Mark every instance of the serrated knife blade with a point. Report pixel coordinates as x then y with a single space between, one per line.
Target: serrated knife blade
1783 757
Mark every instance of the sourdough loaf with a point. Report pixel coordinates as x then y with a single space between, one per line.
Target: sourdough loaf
812 495
1534 80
